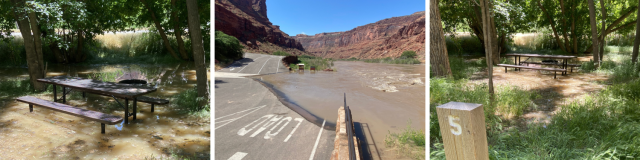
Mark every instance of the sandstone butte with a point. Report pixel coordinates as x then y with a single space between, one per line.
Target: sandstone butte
247 20
385 38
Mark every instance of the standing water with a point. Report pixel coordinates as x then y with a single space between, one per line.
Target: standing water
386 97
47 134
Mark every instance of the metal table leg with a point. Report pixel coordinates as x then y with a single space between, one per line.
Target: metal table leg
64 97
135 108
55 96
126 111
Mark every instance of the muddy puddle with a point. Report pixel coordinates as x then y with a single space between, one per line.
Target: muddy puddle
47 134
386 97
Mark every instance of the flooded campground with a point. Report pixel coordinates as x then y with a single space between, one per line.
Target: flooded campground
47 134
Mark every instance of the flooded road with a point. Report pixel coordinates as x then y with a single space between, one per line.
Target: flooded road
47 134
386 97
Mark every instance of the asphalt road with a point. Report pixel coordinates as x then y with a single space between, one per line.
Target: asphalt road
251 123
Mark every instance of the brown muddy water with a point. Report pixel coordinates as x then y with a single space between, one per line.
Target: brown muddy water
47 134
385 96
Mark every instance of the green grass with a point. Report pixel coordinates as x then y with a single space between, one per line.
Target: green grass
510 100
188 102
12 51
11 88
410 142
604 125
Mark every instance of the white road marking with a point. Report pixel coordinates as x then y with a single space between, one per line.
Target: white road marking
248 64
233 119
238 156
266 125
294 129
278 68
239 112
243 131
317 140
270 135
265 63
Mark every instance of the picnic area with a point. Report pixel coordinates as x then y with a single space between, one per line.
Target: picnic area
104 80
551 85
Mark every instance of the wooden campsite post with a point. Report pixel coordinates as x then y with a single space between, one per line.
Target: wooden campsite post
463 131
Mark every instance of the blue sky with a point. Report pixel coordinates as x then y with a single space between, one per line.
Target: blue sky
317 16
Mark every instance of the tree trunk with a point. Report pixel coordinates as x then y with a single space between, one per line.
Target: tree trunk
567 42
495 49
33 62
553 27
36 36
594 30
178 31
476 26
487 17
604 32
79 56
439 58
197 47
160 30
636 42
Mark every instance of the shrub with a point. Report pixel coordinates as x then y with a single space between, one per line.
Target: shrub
408 54
290 60
189 102
227 47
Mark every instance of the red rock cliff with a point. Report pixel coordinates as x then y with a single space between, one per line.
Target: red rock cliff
247 20
386 38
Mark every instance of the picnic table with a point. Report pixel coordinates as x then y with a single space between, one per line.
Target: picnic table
114 90
564 58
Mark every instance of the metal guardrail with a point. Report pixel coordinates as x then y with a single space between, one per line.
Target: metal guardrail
349 122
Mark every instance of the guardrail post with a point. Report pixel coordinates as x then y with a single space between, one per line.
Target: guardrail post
463 130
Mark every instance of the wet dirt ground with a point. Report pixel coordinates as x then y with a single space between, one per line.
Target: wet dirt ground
383 97
555 92
47 134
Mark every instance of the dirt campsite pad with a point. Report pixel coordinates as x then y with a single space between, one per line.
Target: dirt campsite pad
47 134
556 92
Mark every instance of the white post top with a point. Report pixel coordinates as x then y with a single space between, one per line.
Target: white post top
460 106
301 64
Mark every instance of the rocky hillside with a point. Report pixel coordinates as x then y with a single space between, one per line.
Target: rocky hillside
385 38
247 20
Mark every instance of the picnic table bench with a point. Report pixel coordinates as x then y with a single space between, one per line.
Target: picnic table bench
83 113
541 63
518 63
555 70
114 90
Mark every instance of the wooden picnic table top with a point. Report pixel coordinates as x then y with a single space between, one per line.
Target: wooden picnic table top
110 88
541 56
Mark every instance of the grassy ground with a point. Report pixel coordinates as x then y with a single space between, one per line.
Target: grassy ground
604 124
410 142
